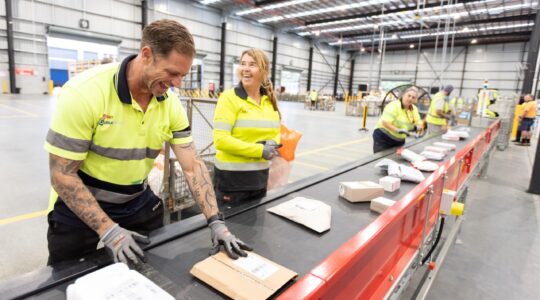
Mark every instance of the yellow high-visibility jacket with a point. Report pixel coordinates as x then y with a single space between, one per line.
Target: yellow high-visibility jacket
239 124
432 116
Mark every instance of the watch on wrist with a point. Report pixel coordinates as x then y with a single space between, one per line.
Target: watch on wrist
219 216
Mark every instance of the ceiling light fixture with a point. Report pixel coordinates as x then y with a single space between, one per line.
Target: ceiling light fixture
474 41
270 7
326 10
206 2
427 12
411 46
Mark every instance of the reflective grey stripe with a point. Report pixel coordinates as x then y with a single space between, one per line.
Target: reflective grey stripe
61 141
125 154
257 124
237 166
222 126
181 134
113 197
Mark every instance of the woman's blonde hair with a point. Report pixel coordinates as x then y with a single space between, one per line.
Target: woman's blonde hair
262 62
411 89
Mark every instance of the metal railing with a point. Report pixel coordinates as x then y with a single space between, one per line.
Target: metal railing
176 192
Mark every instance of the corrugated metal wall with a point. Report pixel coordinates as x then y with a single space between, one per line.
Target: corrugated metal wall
121 19
501 64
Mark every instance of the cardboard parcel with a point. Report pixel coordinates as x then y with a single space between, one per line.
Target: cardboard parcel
313 214
253 277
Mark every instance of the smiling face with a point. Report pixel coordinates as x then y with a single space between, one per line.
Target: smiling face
409 98
250 72
160 73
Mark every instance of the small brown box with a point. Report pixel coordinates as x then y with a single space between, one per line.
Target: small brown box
251 277
360 191
381 204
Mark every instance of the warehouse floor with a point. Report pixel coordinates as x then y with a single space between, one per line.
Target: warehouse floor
501 217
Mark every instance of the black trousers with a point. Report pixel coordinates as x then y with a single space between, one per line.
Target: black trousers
231 199
68 242
381 141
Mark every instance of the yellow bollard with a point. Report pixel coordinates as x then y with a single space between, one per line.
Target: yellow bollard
51 87
364 117
5 87
515 124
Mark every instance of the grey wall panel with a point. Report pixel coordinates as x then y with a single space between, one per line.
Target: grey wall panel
117 18
499 63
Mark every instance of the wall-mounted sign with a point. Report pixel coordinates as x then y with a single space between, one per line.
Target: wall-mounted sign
25 71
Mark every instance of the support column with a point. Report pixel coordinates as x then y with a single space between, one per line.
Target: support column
336 78
310 67
144 13
534 186
10 50
274 58
532 58
351 76
222 57
532 68
463 70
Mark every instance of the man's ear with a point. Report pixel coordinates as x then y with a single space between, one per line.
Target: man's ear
147 55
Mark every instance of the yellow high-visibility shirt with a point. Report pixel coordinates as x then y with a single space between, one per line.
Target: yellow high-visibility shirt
98 122
239 123
438 102
400 117
530 108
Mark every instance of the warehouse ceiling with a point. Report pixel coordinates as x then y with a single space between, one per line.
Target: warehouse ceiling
361 25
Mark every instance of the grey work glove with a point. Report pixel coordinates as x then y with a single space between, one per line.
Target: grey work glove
222 236
270 149
121 244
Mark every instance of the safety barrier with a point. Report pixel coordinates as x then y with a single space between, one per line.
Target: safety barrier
367 265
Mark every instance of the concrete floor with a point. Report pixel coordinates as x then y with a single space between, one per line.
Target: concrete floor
499 253
499 257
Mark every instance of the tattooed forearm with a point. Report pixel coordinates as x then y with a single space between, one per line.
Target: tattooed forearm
75 195
197 178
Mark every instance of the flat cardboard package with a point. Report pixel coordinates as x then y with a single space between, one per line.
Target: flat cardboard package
437 149
115 282
433 155
313 214
252 277
389 183
445 145
360 191
450 137
381 204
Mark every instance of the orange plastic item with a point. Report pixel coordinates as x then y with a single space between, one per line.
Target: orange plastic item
431 266
289 140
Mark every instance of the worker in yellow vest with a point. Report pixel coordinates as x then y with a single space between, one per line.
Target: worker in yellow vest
246 133
400 118
439 112
313 96
527 120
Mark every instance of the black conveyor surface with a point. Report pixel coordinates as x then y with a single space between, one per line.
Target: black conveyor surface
278 239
